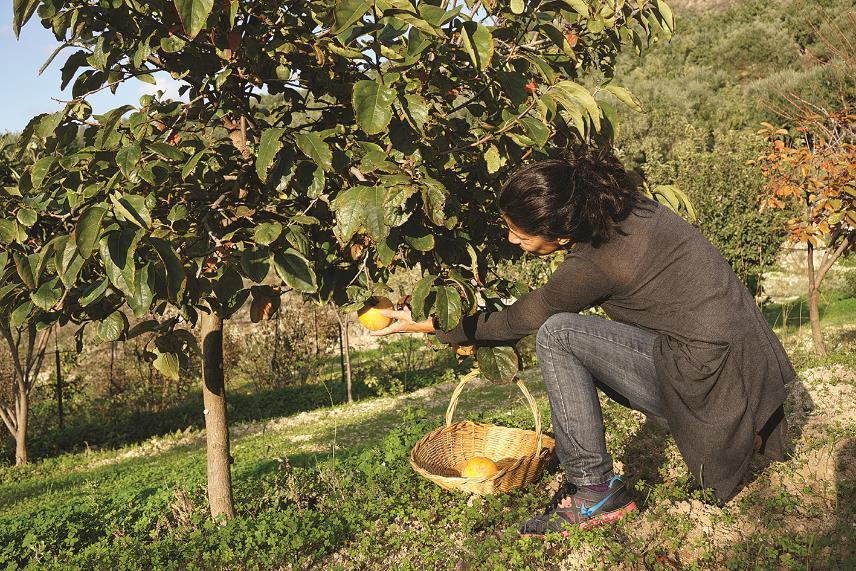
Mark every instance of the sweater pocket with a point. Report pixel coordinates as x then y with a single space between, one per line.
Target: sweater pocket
695 370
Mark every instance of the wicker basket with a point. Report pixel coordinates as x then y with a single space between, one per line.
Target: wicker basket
519 454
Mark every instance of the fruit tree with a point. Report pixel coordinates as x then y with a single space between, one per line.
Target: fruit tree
319 146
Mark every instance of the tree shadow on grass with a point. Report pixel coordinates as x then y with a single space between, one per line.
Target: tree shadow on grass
114 430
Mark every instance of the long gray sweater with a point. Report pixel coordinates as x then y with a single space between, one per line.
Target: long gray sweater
720 367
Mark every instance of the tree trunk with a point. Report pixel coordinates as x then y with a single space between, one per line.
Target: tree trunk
345 352
216 425
59 389
22 408
813 310
341 347
348 361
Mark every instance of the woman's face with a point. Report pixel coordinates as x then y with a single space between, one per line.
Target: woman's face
532 244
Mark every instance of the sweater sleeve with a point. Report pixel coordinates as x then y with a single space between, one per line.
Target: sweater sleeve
575 285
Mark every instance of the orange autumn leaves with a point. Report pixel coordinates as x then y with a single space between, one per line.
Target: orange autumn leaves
813 171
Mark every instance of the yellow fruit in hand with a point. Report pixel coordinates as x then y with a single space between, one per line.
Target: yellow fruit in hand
371 318
479 467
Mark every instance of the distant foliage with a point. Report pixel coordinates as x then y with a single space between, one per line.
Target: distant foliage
726 191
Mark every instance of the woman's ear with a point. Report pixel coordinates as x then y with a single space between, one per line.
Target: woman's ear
563 241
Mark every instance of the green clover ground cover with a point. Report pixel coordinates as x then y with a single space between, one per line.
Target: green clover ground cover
304 505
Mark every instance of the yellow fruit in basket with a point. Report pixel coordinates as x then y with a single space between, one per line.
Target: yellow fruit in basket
371 318
479 467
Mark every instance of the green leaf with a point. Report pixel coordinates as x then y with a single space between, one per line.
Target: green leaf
493 159
499 365
190 165
88 230
117 253
269 146
132 208
144 288
109 121
6 290
417 22
267 232
193 14
417 110
21 313
256 262
40 170
578 6
447 307
666 14
176 279
172 44
8 231
347 12
228 284
48 124
536 130
294 270
423 243
316 149
94 292
517 6
128 157
25 270
68 262
141 328
112 327
27 216
625 97
434 200
478 42
360 208
166 151
167 364
372 105
48 294
574 97
22 10
422 298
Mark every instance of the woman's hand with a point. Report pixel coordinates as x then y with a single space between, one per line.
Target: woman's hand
403 323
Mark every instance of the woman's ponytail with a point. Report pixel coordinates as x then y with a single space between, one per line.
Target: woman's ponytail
583 196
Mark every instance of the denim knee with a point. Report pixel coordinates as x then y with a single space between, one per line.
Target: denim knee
546 336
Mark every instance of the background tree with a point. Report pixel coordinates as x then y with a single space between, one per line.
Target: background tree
388 124
25 341
813 169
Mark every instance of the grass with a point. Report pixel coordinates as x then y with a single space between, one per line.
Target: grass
322 484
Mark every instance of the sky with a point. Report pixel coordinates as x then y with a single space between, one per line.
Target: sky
26 93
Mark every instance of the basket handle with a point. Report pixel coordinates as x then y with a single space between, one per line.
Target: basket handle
453 404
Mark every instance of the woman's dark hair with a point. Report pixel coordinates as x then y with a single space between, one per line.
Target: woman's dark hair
584 197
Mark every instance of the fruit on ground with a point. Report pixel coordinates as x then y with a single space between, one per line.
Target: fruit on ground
479 467
371 318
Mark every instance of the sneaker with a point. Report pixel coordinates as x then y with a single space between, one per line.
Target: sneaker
581 507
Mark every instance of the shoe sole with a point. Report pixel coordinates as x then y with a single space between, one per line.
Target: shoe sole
608 517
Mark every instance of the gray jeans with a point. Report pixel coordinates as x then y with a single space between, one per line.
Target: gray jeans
578 354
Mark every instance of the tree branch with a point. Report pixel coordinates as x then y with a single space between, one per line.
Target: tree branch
832 257
8 420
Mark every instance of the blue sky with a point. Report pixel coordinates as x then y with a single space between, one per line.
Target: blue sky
26 93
